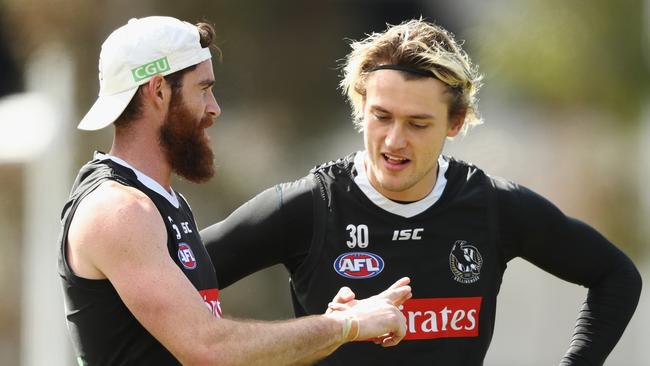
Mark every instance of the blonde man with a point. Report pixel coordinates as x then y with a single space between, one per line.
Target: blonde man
400 208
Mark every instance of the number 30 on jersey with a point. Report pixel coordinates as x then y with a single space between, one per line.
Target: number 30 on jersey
358 236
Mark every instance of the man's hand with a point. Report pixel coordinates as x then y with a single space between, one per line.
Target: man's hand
376 317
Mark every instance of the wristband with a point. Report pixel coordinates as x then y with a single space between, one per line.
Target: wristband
350 328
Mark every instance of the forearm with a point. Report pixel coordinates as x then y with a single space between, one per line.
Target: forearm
316 356
604 315
298 341
307 339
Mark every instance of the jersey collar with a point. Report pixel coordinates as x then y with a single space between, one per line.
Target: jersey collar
401 209
143 178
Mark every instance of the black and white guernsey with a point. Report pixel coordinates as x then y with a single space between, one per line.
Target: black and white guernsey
103 330
331 229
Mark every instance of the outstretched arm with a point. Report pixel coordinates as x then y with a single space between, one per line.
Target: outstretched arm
274 227
118 234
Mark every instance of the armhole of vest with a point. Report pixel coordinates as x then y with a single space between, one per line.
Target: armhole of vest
65 271
320 207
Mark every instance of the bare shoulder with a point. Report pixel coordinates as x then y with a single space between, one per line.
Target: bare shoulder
115 209
108 224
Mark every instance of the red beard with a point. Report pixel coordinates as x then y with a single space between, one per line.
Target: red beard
187 148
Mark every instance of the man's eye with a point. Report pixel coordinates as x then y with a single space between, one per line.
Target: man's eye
382 117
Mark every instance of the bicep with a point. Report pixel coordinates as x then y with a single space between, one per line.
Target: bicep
130 250
154 290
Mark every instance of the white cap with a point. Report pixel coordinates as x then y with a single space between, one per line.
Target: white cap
135 52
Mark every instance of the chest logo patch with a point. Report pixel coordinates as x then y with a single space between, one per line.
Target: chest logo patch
358 265
450 317
186 256
465 262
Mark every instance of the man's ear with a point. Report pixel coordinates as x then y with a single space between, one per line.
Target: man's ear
456 123
158 91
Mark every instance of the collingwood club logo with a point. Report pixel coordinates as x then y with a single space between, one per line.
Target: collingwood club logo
465 262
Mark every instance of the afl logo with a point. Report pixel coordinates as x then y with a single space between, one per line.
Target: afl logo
465 262
358 265
186 256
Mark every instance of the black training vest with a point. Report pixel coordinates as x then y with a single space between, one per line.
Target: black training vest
103 330
449 251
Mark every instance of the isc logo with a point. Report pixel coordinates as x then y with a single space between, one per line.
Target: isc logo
186 256
358 265
408 234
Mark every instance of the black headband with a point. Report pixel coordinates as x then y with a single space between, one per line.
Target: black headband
404 68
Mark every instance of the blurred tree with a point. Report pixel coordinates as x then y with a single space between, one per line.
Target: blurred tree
568 53
574 59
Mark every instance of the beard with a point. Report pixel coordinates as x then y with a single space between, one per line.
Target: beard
183 140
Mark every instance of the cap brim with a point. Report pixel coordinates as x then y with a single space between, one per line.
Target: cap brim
106 110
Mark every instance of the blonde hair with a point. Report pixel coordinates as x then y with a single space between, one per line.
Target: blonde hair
420 45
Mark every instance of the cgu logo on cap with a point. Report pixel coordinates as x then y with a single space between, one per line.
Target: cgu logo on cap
358 265
150 69
186 256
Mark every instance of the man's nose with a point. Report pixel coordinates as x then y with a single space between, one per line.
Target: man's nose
396 136
213 108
